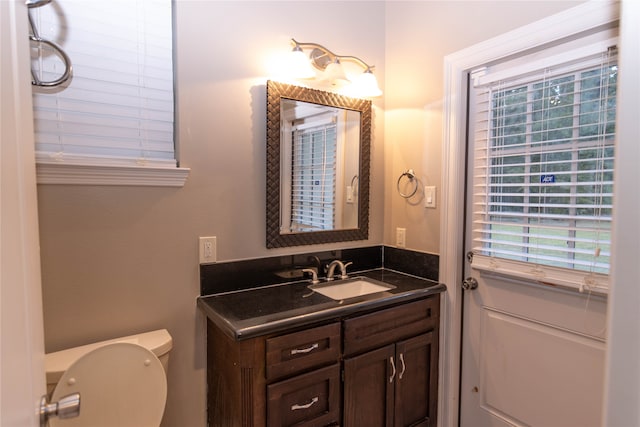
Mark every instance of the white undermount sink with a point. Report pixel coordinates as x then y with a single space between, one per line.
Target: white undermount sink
350 288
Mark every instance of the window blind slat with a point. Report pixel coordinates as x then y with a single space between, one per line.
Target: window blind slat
503 236
114 101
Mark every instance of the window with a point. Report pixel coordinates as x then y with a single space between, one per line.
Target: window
543 173
314 177
115 117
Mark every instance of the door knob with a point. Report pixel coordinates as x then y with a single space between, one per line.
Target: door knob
469 284
66 407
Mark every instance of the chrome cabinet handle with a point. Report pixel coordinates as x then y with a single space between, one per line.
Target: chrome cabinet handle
304 350
404 367
393 367
305 406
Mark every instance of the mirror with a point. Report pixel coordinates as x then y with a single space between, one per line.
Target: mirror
318 151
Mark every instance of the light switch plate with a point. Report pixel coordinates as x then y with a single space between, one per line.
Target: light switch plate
429 197
349 194
401 234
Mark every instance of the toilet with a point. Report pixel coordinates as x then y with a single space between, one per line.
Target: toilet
122 382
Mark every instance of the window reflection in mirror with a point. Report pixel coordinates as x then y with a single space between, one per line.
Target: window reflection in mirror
320 148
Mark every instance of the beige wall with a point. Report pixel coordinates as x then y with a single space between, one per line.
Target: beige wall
418 35
123 260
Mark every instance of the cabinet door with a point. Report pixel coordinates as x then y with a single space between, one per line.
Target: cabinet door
416 384
368 388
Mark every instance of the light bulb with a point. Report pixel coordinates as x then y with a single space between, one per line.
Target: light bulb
365 85
300 66
334 74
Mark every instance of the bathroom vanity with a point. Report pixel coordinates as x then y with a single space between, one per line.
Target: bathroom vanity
286 355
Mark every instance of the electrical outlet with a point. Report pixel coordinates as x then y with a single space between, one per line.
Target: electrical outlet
400 237
208 250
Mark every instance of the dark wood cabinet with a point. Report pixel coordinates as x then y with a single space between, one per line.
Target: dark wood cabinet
396 384
286 380
368 393
374 369
416 382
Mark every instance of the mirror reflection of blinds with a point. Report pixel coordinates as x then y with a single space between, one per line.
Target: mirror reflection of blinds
313 178
118 108
543 173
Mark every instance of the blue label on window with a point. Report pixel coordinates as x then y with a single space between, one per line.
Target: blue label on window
547 179
316 182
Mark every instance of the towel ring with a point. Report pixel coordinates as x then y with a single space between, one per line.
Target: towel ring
34 36
355 181
411 175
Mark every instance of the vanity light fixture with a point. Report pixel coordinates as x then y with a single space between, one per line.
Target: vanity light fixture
329 64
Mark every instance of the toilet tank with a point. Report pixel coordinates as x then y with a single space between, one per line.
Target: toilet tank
158 342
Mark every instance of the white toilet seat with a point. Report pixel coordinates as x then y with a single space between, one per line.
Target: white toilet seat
120 385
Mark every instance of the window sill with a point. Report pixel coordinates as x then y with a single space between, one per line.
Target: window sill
74 174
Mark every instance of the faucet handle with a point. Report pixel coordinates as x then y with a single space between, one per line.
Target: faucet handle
314 275
343 272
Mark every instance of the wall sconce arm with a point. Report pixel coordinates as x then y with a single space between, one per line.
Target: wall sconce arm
321 57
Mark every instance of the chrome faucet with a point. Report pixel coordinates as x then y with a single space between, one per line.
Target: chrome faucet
343 269
314 274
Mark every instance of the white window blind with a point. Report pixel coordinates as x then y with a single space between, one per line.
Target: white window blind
543 172
118 108
313 177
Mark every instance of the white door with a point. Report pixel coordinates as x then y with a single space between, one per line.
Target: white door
22 342
532 355
533 334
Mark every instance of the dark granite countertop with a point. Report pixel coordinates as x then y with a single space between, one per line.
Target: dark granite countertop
265 310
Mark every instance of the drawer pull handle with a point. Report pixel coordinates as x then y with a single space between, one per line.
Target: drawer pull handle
305 406
404 367
304 350
393 369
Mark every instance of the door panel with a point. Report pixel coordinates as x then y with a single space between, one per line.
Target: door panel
514 348
584 314
522 365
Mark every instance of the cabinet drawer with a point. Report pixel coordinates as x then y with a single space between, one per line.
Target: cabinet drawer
300 351
311 399
386 326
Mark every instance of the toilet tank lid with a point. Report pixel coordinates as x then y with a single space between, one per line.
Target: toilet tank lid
158 342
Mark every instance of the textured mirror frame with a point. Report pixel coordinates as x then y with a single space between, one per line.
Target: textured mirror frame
275 92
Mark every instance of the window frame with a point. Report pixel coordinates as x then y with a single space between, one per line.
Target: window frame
93 169
559 276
